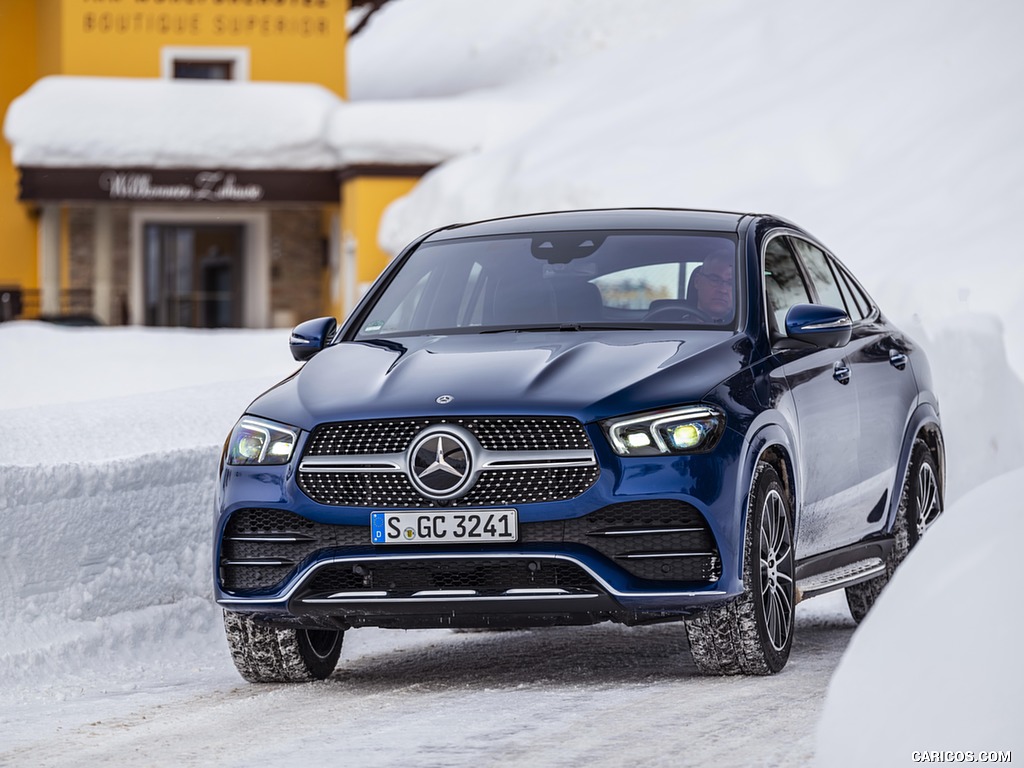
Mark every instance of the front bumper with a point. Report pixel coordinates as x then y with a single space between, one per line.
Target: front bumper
652 539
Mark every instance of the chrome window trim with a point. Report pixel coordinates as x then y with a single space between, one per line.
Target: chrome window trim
772 235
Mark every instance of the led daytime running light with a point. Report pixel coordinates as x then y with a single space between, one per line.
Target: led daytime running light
661 432
258 441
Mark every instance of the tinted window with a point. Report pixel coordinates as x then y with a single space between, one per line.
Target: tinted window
824 282
539 280
784 286
864 306
852 309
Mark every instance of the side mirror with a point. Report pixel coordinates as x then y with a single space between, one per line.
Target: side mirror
821 326
309 337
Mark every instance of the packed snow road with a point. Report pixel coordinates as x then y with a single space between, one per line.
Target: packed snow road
567 696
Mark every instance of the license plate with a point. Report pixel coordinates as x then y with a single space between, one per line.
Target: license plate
464 526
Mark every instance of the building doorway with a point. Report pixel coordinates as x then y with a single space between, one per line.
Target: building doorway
194 275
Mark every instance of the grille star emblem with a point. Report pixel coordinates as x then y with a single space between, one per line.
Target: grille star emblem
439 464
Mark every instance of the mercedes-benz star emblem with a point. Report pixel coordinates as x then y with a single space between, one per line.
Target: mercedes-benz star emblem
444 399
439 464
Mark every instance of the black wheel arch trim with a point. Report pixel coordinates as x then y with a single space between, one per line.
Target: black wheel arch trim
923 425
772 444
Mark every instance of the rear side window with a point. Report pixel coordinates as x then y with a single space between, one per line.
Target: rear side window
783 284
822 277
857 296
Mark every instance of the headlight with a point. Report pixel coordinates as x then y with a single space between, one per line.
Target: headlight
695 429
258 441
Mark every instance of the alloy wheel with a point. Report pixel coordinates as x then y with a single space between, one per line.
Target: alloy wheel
928 506
776 562
321 641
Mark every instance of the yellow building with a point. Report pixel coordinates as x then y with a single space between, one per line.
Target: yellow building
138 191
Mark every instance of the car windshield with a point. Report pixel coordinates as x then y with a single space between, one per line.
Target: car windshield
561 281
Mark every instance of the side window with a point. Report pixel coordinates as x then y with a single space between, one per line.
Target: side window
860 299
852 308
389 318
783 284
821 276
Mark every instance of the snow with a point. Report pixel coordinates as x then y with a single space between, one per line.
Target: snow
64 121
890 130
940 644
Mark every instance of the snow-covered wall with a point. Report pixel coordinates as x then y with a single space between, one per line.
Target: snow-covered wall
98 558
108 464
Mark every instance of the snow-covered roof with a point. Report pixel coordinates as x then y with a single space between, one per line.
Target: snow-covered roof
79 122
123 122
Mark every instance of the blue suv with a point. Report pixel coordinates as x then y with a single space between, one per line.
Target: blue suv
635 415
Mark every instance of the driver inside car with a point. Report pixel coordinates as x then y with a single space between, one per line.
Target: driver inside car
713 282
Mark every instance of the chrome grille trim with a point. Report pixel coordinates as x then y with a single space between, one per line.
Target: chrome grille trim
507 596
373 462
643 531
272 563
270 538
647 555
487 461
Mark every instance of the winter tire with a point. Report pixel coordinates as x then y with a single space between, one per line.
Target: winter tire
920 505
266 654
754 634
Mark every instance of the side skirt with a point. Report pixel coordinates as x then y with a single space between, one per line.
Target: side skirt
841 568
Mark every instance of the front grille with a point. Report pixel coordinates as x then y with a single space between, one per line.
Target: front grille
356 487
641 537
483 575
357 437
499 433
498 488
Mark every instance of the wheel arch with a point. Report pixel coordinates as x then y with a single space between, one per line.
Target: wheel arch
770 444
923 425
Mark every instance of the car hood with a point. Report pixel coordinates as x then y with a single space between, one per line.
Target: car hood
584 374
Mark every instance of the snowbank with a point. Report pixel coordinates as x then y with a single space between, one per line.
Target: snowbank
936 665
101 562
107 471
74 395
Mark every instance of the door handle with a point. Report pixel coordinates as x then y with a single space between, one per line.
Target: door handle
841 373
897 360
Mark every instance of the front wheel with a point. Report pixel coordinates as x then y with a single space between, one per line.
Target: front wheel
266 654
754 634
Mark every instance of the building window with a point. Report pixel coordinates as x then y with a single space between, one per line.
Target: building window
204 63
203 70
